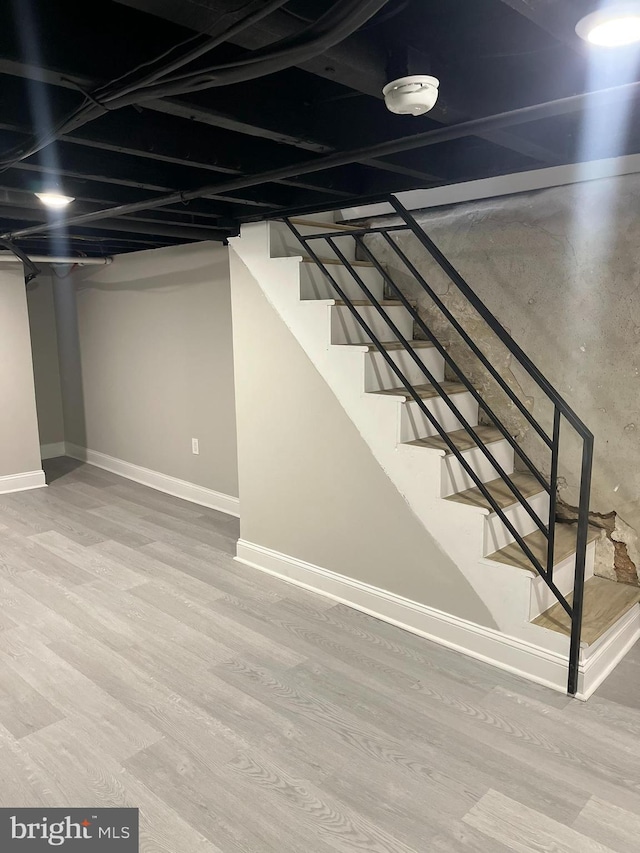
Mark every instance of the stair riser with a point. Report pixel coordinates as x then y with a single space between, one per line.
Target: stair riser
283 244
345 329
563 576
315 285
415 424
379 375
497 534
455 478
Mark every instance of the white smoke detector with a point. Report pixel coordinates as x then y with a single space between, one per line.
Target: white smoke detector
412 96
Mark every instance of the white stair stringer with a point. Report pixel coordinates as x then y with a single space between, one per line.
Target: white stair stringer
416 472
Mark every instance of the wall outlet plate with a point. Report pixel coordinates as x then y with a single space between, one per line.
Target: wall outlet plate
195 446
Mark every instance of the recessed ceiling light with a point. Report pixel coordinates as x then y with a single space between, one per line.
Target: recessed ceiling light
54 200
614 26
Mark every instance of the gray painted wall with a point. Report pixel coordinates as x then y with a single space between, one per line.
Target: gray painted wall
309 485
44 341
561 269
147 362
19 441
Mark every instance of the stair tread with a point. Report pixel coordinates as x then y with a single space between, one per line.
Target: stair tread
460 438
424 391
604 603
527 484
337 261
564 545
390 345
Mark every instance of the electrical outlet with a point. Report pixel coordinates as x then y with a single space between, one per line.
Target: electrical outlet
195 446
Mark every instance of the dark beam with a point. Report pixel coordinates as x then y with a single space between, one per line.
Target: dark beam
95 169
536 112
104 194
61 171
358 60
162 150
193 111
90 241
23 200
358 63
556 17
202 114
106 135
400 169
131 225
166 138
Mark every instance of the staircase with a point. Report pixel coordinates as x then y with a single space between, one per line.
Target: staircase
471 484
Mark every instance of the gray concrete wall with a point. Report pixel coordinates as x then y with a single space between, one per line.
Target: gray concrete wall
309 485
560 268
147 362
44 342
19 440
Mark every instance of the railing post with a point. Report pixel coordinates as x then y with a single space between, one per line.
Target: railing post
553 490
581 554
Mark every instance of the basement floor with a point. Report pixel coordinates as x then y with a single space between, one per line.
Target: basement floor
141 666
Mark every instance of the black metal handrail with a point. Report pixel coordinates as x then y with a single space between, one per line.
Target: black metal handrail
446 398
560 407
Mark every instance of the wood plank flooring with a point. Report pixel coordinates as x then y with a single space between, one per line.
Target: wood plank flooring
141 666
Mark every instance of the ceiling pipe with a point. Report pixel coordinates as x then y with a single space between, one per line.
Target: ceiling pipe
6 257
535 112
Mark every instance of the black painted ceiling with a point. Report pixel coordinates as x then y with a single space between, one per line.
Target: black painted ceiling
491 56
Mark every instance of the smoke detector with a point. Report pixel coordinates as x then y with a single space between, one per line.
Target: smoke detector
413 95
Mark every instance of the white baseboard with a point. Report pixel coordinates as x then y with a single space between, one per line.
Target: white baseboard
155 480
22 482
52 451
603 656
485 644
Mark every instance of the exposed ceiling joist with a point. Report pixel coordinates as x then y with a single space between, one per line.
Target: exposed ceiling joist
205 115
236 157
535 112
92 242
106 194
305 138
358 59
165 149
122 179
556 17
356 63
399 169
132 225
374 68
23 199
168 106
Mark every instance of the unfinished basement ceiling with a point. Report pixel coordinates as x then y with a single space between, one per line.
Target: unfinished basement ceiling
491 57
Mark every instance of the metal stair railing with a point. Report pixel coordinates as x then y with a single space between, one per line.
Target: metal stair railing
560 407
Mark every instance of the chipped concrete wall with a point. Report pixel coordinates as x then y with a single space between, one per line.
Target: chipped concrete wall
560 268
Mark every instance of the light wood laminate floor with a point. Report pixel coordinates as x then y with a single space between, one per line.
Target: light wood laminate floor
141 666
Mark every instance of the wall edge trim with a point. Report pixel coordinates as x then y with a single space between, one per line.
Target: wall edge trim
487 645
156 480
22 482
